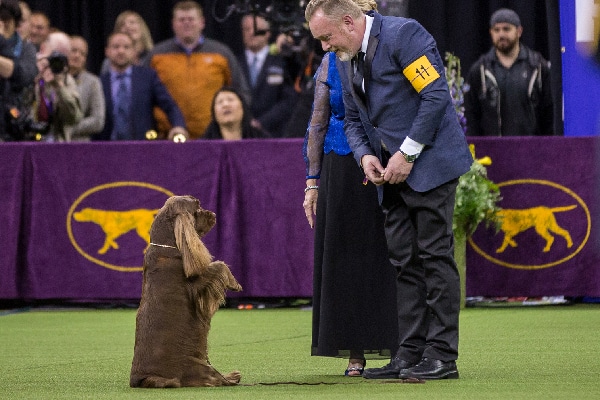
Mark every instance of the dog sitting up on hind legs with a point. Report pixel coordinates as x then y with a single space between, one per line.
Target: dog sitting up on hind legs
182 289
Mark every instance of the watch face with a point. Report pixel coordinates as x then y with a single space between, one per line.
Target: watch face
408 158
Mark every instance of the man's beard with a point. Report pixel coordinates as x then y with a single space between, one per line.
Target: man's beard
506 46
344 55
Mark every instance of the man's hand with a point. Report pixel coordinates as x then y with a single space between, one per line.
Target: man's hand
397 169
46 73
374 171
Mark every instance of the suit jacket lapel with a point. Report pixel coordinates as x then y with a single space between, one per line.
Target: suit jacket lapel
371 48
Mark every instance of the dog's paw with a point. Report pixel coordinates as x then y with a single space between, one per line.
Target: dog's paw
158 382
233 377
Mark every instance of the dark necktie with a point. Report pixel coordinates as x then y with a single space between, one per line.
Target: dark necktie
121 111
43 111
357 80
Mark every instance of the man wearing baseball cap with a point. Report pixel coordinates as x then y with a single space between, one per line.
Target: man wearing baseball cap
509 91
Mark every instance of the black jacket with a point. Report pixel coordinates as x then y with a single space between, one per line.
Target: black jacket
509 102
16 92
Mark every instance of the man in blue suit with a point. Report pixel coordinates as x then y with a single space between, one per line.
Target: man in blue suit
273 94
404 133
131 93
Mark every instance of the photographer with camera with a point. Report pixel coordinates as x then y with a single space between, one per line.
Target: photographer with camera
17 73
56 109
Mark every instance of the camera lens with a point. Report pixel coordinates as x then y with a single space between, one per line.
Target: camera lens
58 62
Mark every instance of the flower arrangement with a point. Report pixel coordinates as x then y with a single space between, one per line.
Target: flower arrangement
476 196
457 86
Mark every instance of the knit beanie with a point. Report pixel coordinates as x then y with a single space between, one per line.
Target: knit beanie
505 15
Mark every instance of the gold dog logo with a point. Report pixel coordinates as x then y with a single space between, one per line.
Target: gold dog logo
114 224
536 228
540 218
117 223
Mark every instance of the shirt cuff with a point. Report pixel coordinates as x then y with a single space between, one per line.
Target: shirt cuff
411 147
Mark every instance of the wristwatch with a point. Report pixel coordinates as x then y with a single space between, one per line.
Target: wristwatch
409 158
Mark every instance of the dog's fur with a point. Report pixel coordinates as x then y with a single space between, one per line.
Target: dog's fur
182 289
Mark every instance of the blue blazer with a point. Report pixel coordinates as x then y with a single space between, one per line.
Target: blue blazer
147 91
396 108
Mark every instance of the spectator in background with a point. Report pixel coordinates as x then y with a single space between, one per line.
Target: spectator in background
131 92
39 25
303 55
230 117
17 73
510 90
194 68
91 96
24 26
57 96
133 24
273 94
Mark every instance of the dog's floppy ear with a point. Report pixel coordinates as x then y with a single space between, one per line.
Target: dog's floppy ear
195 255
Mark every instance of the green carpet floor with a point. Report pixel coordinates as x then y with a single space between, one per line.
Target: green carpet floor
513 353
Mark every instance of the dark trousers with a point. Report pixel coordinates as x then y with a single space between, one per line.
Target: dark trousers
418 230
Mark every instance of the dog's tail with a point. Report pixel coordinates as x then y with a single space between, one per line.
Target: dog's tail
561 209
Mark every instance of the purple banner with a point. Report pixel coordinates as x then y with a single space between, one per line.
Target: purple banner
12 198
76 216
548 243
91 206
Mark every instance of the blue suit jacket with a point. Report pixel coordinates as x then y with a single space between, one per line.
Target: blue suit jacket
394 108
147 91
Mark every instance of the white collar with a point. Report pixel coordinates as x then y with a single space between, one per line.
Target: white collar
260 55
365 42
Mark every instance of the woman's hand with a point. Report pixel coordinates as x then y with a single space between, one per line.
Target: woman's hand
311 194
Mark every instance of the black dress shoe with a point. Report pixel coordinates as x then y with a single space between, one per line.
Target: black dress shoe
430 368
389 371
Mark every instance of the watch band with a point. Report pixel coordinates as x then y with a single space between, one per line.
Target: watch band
409 158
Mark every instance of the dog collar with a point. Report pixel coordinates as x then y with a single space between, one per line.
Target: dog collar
163 245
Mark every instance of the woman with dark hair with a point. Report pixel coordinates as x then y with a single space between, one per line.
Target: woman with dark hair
230 117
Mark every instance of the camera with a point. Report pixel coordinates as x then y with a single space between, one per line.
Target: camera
283 14
287 12
58 62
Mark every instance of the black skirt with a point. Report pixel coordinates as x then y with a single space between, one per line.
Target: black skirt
354 290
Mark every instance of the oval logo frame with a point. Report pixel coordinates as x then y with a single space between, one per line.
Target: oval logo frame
96 189
549 264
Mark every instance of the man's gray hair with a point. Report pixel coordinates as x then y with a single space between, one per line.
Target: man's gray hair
333 9
57 41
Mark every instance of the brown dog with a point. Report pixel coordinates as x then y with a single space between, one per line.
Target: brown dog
182 289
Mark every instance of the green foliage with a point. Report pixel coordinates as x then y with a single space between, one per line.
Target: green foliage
476 200
476 195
